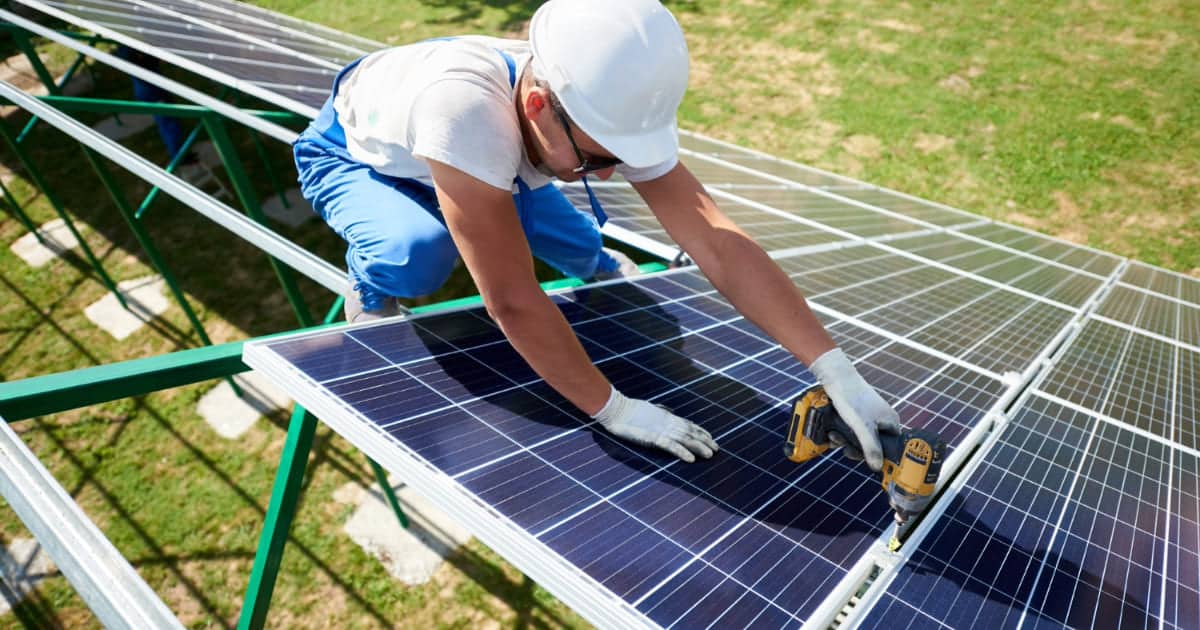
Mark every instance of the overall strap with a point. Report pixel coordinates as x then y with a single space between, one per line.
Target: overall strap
601 216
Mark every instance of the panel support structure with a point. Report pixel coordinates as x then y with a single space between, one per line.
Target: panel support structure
118 596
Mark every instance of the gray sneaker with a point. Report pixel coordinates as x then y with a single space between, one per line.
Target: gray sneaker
356 315
626 268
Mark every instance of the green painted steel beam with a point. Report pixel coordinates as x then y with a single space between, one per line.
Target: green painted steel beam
285 496
41 395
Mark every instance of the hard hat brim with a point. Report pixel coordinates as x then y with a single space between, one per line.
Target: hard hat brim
645 149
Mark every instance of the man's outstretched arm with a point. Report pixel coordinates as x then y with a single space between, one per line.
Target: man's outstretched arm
744 273
484 225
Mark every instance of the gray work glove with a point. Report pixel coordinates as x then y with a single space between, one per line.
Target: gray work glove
859 405
647 424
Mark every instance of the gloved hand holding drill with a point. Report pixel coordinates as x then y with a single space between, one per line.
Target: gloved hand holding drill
647 424
860 406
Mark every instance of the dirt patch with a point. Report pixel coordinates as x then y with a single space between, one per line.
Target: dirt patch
1146 51
897 25
1122 120
183 605
1154 221
818 137
868 39
955 83
863 146
1023 220
1068 215
932 142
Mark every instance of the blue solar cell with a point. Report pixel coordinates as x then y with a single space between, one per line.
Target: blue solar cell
1065 523
387 395
324 358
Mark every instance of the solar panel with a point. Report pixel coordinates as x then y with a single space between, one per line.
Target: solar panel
831 212
1069 520
1045 277
1153 279
775 232
761 162
762 537
285 64
911 207
1089 260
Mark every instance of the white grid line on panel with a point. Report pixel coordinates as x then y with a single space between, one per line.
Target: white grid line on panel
250 39
245 16
1158 294
1144 332
1171 471
717 193
903 341
816 171
269 128
199 54
810 189
1097 252
977 277
246 9
137 44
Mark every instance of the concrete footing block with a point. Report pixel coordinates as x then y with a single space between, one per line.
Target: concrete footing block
22 565
231 416
56 239
126 125
411 555
294 214
146 301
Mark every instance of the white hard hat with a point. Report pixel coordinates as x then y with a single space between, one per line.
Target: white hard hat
619 67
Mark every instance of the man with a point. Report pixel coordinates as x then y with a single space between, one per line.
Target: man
446 148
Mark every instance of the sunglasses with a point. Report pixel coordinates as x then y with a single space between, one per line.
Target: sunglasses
590 163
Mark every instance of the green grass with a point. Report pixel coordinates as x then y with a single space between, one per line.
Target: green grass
1078 119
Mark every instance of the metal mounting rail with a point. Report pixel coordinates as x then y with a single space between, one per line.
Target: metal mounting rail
268 241
118 596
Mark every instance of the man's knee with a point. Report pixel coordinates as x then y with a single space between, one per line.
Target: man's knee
403 266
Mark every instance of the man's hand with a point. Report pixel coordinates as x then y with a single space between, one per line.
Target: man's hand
857 403
653 425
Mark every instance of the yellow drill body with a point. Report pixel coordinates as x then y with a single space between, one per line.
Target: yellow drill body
912 459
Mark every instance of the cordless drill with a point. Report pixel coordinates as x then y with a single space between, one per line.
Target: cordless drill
912 459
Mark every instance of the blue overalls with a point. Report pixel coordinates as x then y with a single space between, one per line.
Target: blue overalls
398 244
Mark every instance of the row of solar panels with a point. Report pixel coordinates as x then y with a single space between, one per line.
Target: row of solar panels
1085 501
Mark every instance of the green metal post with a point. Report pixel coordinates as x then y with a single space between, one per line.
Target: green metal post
276 185
20 214
66 78
171 166
381 476
58 207
22 40
245 192
148 246
285 496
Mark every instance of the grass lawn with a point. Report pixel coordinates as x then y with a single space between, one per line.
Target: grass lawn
1075 118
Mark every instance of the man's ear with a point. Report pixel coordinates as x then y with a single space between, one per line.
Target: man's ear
536 99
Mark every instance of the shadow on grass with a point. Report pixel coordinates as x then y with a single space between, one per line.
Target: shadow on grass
159 554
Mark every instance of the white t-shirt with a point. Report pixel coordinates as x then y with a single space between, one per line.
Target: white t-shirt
444 100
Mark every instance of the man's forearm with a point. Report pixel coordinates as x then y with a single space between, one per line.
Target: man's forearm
540 333
762 292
